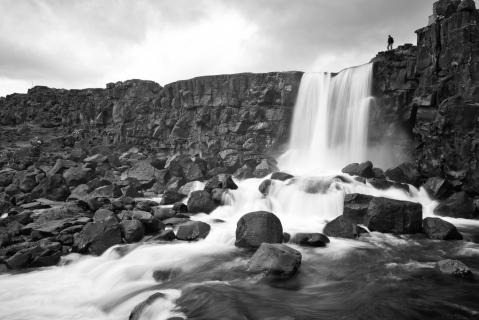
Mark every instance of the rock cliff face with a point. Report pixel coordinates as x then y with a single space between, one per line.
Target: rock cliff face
432 91
248 113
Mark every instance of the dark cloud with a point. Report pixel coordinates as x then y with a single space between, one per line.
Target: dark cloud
85 43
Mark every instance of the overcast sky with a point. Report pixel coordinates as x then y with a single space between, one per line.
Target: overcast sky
88 43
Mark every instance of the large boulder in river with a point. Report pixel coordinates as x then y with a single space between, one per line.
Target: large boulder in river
377 214
258 227
394 216
193 230
277 260
364 169
310 239
96 237
438 229
201 201
459 205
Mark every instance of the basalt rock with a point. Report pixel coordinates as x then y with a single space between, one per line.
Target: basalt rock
438 229
458 205
256 228
277 260
201 201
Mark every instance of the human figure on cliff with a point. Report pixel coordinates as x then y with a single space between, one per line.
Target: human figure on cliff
390 42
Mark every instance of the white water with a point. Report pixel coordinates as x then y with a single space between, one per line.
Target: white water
330 122
329 131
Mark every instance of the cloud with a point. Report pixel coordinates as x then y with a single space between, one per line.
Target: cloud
87 43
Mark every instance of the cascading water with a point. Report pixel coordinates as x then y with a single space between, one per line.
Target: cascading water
207 279
330 122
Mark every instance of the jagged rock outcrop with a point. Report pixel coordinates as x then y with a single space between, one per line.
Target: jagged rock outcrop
431 91
242 115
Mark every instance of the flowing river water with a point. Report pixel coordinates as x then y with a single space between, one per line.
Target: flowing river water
379 276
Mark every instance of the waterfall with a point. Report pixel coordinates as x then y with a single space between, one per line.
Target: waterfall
330 122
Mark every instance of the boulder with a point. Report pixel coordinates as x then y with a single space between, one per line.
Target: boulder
104 214
27 183
77 175
171 197
458 205
139 309
265 187
454 268
132 230
201 201
356 207
52 187
310 239
165 235
151 223
341 228
364 169
220 181
108 191
277 260
192 230
393 216
96 237
264 168
281 176
404 173
438 229
438 188
258 227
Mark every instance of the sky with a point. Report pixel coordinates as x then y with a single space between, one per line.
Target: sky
88 43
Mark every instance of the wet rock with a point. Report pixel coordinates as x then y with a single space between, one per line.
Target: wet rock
192 230
310 239
383 184
136 313
165 235
265 187
258 227
245 172
201 201
394 216
458 205
264 168
277 260
438 229
158 162
341 228
218 195
96 237
180 207
405 173
151 223
364 169
356 207
281 176
454 268
220 181
171 197
438 188
132 230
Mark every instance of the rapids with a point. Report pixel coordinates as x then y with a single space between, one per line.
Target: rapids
379 276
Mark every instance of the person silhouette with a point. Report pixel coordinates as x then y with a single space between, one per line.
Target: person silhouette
390 42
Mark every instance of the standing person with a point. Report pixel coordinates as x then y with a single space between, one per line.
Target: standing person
390 42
